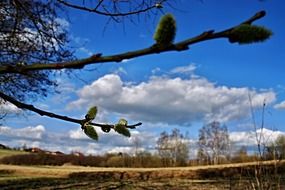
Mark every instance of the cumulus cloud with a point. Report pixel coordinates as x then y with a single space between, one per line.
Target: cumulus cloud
280 106
113 137
113 142
27 132
77 134
171 100
7 107
248 138
34 136
76 140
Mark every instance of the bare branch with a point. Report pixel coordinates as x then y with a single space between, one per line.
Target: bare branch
56 116
154 49
116 12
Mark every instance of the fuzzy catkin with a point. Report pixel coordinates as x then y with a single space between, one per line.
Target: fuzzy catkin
165 31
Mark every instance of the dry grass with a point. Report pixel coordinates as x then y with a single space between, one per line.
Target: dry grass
64 171
78 177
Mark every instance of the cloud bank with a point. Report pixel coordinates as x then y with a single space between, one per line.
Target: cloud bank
27 132
171 100
248 138
75 140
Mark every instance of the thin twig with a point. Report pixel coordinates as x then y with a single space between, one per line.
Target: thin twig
107 13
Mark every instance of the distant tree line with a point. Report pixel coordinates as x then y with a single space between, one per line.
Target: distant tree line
173 149
143 159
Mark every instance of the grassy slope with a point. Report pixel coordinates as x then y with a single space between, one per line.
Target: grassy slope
4 152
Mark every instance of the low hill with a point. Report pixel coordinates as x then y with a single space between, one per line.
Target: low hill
9 152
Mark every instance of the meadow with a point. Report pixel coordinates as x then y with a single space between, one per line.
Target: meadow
211 177
78 177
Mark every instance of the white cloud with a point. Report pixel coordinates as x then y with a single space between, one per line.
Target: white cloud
281 105
171 100
120 70
77 134
63 24
84 50
27 132
74 140
127 150
9 108
189 69
80 135
126 60
155 70
111 142
248 138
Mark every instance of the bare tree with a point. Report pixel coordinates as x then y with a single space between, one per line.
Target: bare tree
30 33
213 143
173 148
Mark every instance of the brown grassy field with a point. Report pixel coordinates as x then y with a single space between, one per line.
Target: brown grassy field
76 177
218 177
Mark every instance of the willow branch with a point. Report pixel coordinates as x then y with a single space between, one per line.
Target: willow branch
154 49
57 116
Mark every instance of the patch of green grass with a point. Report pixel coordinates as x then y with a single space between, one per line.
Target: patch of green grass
5 152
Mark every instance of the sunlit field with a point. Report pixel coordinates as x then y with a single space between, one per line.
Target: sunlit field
77 177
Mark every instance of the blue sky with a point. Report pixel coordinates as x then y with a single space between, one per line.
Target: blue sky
184 90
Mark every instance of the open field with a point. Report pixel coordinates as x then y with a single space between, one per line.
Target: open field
64 171
215 177
76 177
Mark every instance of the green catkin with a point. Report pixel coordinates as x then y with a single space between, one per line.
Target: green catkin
165 31
246 34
